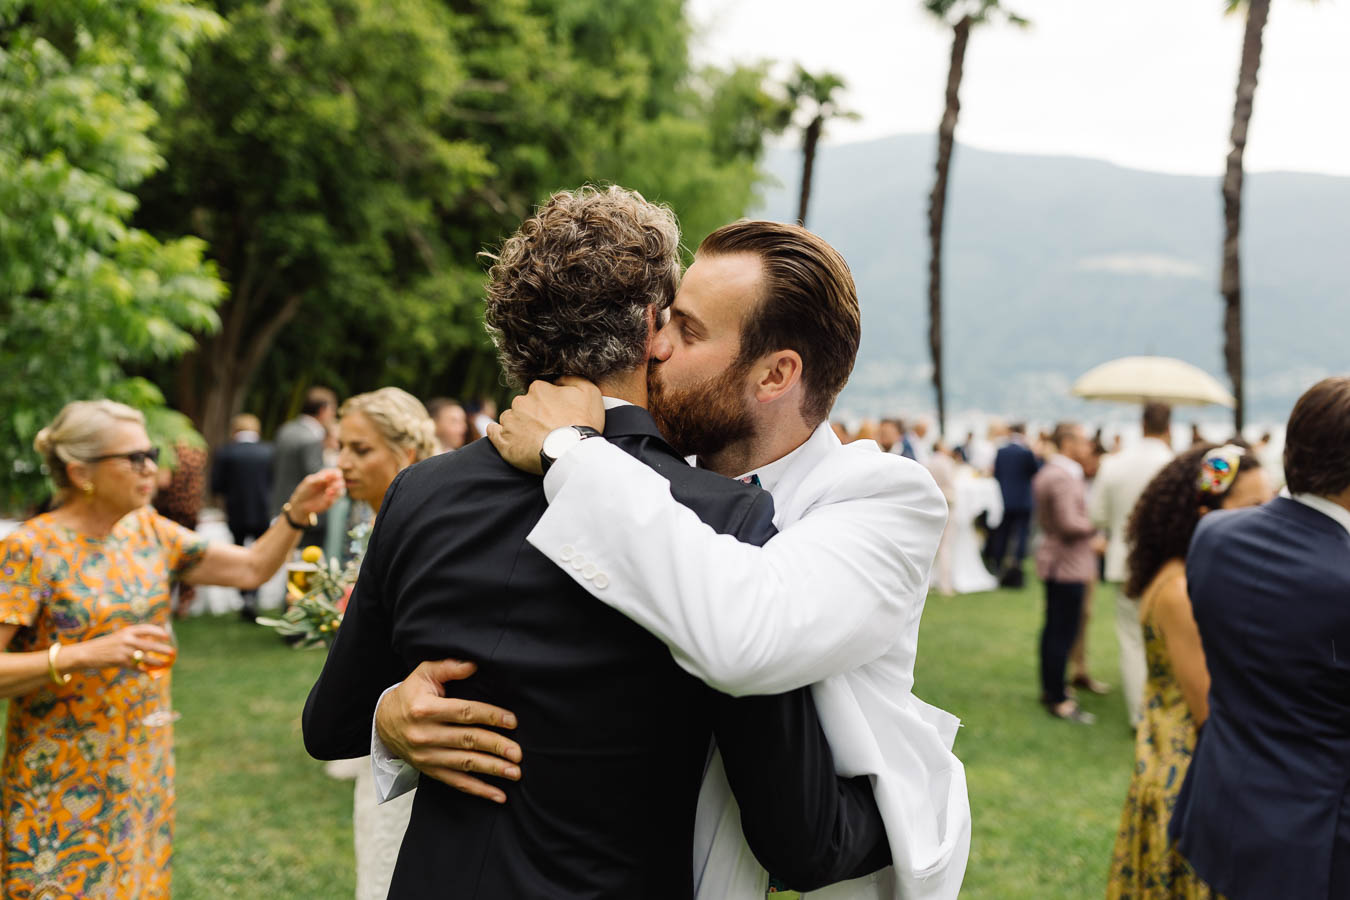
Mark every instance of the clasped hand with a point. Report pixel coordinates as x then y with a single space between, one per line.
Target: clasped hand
545 406
439 736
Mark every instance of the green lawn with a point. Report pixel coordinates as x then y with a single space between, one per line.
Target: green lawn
258 818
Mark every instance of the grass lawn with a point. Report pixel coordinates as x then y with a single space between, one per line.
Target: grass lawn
258 818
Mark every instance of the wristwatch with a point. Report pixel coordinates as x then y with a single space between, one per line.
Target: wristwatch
560 440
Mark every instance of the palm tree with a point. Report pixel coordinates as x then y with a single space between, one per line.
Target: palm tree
1231 279
961 16
817 93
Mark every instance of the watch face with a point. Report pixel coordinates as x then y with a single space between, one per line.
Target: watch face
559 441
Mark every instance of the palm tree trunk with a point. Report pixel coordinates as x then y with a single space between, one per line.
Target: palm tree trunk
937 208
810 137
1231 281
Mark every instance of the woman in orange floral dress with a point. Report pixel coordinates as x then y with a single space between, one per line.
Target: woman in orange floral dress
84 601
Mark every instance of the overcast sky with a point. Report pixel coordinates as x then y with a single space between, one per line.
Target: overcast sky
1147 83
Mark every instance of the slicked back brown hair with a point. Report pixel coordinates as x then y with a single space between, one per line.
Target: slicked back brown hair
1317 441
569 291
807 303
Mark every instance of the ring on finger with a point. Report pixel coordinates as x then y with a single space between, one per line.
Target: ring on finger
138 655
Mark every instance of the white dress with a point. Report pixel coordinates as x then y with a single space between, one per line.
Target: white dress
379 831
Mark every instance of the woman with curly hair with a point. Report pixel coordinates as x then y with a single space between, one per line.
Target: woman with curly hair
1205 478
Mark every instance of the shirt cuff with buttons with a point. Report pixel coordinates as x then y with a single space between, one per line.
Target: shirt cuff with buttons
576 457
393 777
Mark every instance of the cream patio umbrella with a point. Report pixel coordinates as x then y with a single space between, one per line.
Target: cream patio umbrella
1148 379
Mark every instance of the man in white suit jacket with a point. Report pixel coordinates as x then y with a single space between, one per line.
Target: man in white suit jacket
761 337
1115 491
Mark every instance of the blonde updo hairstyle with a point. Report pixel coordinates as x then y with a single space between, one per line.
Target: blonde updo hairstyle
400 418
77 434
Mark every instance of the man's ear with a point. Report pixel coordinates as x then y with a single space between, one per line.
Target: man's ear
779 373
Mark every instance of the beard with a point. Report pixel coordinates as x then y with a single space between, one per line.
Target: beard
702 419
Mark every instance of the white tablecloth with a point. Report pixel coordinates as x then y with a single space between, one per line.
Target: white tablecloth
974 495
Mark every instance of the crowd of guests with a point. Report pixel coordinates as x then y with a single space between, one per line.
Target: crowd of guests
1232 611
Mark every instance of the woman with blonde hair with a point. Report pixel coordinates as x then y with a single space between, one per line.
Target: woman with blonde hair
84 608
379 434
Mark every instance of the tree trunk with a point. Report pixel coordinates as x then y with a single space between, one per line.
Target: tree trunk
937 208
214 380
1231 280
810 137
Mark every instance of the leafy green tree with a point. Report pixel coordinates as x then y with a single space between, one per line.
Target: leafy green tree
348 160
84 297
815 96
961 16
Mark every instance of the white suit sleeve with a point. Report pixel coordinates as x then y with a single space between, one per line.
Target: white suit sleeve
393 777
830 592
1099 502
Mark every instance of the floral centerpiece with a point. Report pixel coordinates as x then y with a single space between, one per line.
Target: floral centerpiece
316 598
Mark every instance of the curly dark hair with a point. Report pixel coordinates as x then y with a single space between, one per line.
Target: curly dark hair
569 292
1164 520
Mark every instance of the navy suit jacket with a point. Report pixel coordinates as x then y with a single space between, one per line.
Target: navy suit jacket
242 474
615 735
1265 808
1014 467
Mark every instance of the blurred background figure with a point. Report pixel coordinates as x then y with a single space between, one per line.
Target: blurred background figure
300 452
1015 465
85 614
1080 676
1204 478
1263 810
867 431
943 465
453 429
482 413
1066 560
1115 491
918 441
381 434
241 475
892 439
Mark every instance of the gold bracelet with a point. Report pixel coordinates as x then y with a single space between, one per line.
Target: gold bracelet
57 677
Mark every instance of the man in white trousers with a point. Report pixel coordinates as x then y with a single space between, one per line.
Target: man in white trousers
1116 489
761 338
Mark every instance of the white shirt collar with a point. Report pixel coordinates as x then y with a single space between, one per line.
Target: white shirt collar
614 402
821 441
1068 465
246 437
1326 507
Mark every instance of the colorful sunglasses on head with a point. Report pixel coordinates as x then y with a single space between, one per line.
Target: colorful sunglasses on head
1219 469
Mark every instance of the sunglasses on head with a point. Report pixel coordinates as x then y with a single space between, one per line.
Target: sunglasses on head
137 458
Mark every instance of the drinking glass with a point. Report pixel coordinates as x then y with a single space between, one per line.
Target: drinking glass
156 666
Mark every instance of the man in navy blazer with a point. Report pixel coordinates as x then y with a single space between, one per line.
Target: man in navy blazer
1014 467
1265 808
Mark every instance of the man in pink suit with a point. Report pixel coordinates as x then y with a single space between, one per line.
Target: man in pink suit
1066 560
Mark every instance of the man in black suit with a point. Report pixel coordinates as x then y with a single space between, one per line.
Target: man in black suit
1014 467
617 734
1265 807
242 473
299 453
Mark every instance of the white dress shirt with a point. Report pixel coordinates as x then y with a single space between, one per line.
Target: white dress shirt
834 600
1115 491
1330 508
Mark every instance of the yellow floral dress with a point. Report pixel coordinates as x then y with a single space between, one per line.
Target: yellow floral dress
1145 865
87 785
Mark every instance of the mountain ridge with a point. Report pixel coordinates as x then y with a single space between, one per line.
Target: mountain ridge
1053 264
